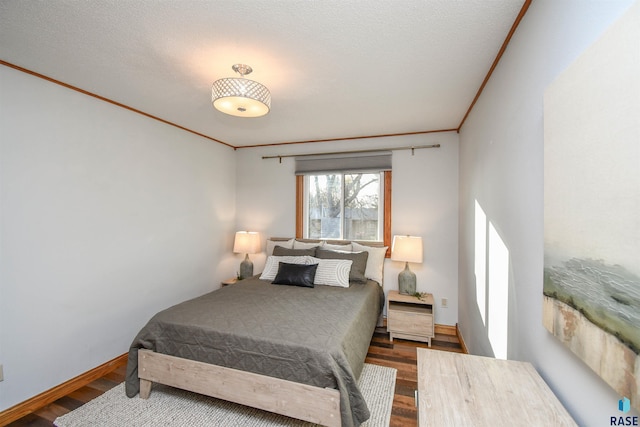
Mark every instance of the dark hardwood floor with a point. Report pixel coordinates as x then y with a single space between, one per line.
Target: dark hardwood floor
399 354
402 355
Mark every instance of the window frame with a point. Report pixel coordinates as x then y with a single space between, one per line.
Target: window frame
386 232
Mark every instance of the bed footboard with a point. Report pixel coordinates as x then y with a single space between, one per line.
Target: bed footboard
301 401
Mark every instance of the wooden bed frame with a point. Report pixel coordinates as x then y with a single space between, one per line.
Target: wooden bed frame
305 402
330 241
314 404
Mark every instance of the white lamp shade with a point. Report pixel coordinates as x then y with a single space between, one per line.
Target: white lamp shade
407 248
240 97
246 242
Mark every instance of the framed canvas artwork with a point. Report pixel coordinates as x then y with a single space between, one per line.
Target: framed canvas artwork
592 207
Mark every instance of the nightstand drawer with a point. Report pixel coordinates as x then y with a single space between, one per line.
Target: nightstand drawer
410 323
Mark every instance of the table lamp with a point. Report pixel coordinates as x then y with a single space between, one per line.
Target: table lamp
246 242
407 249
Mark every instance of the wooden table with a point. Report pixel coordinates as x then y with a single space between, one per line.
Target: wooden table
228 282
464 390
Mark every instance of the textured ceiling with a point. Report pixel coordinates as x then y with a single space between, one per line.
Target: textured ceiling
335 69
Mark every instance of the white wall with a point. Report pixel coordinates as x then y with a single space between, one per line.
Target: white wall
425 203
106 217
501 169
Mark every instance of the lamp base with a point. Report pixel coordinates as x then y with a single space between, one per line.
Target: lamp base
246 268
407 281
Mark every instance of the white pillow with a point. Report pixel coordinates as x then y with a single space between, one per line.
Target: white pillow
273 243
375 261
332 272
304 245
331 247
273 262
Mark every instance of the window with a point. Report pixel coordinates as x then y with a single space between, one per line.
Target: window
344 205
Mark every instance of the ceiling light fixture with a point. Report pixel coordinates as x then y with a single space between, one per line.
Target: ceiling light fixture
241 97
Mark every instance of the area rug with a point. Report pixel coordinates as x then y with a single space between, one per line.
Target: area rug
168 406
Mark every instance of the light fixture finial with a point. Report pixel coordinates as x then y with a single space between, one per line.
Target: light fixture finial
242 69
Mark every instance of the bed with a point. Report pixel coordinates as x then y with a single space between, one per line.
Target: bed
293 350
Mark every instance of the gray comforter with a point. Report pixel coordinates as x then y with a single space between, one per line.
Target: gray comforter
317 336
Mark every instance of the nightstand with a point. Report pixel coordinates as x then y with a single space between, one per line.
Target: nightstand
410 318
227 282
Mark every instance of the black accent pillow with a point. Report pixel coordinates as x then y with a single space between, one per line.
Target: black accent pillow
295 274
282 251
358 267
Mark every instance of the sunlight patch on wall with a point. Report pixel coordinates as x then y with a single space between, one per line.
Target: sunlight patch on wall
492 282
498 294
481 261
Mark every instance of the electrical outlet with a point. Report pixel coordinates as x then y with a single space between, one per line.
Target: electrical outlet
445 303
1 374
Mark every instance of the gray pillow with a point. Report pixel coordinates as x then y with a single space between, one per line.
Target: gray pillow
356 274
282 251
